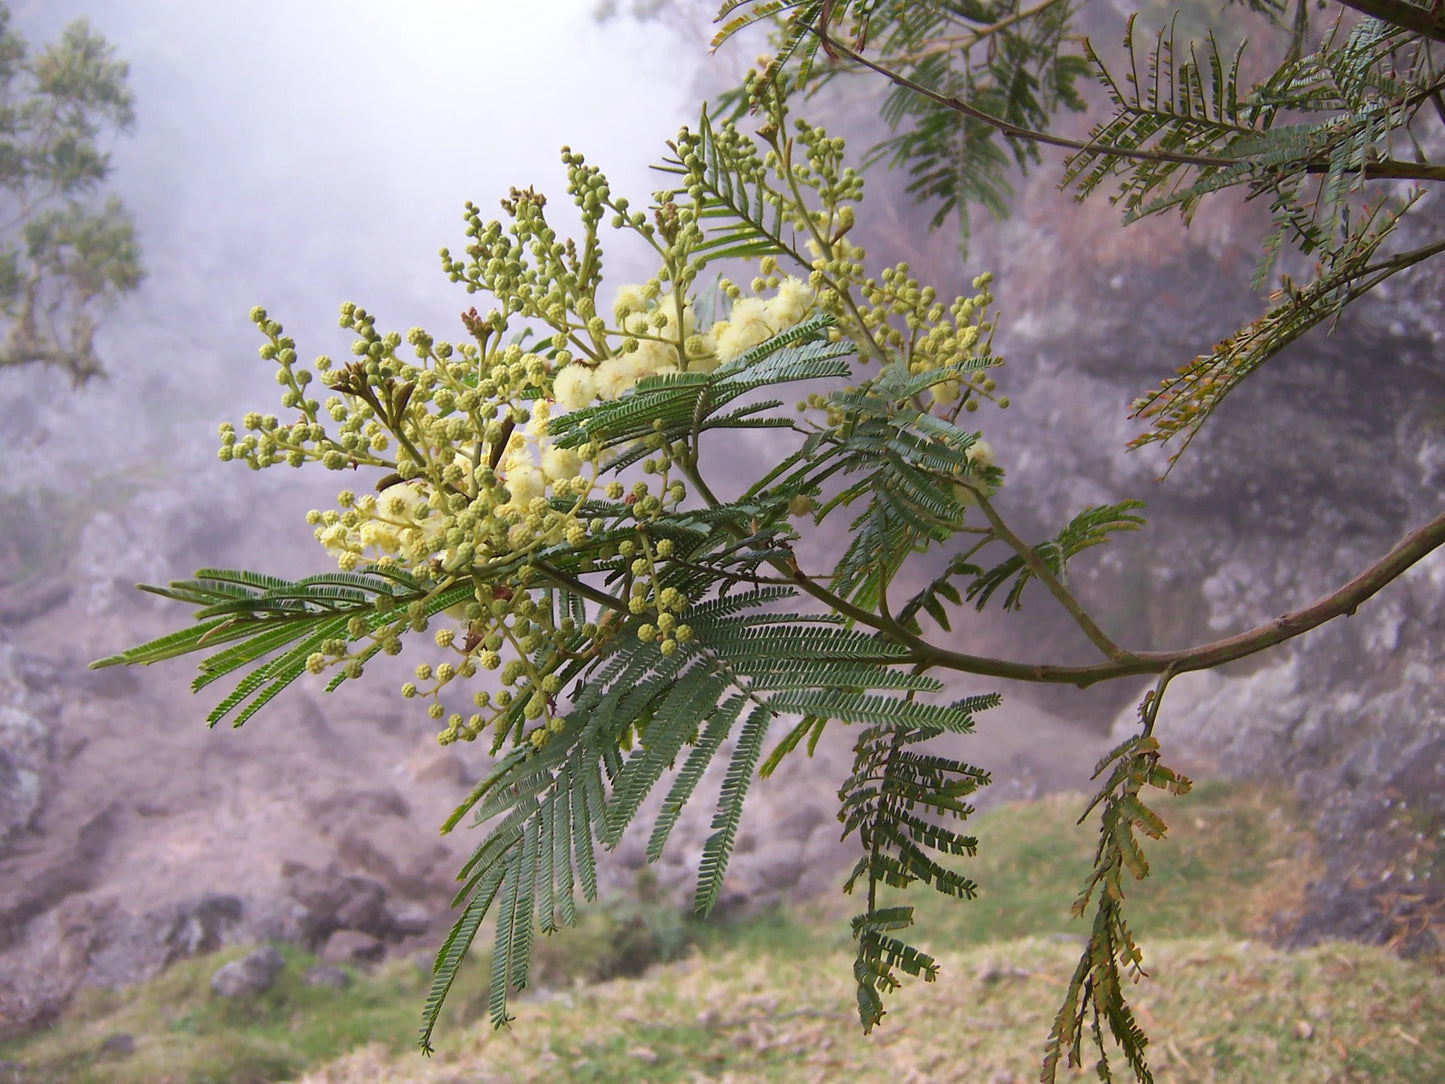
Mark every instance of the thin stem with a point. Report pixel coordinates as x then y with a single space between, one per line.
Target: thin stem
973 37
1427 22
557 577
1156 697
1372 170
1342 602
1046 576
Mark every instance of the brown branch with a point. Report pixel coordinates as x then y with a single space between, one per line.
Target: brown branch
1343 602
1015 131
1045 575
1388 169
973 37
1411 549
1427 22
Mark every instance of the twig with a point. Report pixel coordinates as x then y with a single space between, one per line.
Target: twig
1046 576
1372 170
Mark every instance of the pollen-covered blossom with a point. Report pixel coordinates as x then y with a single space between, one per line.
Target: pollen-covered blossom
670 330
747 326
652 358
524 481
629 299
980 454
536 427
754 320
560 464
614 376
791 302
945 392
389 527
575 387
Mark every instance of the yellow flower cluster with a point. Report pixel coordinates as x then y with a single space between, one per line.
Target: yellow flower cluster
660 336
477 515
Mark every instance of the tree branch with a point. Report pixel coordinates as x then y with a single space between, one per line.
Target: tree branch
1427 22
1389 169
973 37
1046 576
1411 549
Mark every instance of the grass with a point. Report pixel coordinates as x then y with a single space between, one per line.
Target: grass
1235 863
1224 1011
771 999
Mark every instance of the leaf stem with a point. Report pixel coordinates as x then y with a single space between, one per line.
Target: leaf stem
1046 576
1371 170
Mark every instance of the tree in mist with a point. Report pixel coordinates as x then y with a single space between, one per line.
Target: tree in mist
66 250
552 498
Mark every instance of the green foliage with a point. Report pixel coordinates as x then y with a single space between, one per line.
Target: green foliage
1095 994
1010 61
269 615
1311 138
66 254
894 800
1332 137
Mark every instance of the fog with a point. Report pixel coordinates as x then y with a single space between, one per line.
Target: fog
298 155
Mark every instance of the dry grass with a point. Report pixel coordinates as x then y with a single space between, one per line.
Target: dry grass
1219 1010
773 1001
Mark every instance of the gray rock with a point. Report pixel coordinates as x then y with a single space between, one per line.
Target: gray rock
336 901
356 804
352 946
327 975
774 867
389 852
22 602
250 975
799 823
131 949
71 865
408 919
24 753
28 688
433 764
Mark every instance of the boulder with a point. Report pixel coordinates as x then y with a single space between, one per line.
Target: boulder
24 753
432 763
65 863
334 900
250 975
327 975
28 685
408 919
351 947
133 948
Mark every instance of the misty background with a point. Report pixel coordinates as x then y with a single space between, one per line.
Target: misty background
300 155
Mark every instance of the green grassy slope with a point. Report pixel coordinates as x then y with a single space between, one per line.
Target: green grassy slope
772 999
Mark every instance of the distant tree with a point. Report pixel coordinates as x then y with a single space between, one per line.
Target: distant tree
67 251
554 496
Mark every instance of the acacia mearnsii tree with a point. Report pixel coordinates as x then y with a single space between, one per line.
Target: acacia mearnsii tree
539 505
67 250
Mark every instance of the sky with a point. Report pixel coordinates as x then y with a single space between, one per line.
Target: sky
298 154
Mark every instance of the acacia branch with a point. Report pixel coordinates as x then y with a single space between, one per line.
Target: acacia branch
973 37
1388 169
1343 602
1036 565
1427 22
